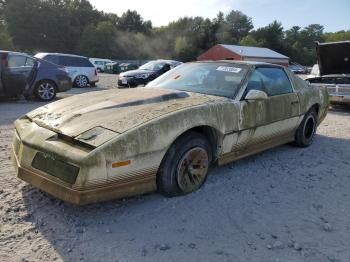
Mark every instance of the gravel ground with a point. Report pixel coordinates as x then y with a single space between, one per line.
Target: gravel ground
286 204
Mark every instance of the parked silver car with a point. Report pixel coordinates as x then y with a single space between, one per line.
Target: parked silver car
80 69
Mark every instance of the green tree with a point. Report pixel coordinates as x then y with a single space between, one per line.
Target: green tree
5 39
98 41
133 22
248 40
233 27
181 48
337 36
270 36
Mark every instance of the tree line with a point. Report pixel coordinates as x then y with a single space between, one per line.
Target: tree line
75 26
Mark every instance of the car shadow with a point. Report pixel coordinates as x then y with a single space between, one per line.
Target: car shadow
340 109
256 195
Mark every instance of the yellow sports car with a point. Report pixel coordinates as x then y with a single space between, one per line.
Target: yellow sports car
118 143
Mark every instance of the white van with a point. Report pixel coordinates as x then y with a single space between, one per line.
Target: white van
100 63
80 69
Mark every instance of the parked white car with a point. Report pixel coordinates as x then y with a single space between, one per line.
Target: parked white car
80 69
100 63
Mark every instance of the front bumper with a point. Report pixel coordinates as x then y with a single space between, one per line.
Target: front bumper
92 183
131 81
82 197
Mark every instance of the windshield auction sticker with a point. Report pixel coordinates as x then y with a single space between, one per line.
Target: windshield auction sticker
229 69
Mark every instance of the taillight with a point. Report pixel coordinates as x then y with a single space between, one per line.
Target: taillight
95 72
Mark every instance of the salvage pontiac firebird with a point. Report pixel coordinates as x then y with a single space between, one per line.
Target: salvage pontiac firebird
118 143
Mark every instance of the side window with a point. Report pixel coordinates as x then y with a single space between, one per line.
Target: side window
255 82
84 62
15 60
77 61
52 59
275 81
29 62
65 61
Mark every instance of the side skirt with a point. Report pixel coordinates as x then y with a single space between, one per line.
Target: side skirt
255 148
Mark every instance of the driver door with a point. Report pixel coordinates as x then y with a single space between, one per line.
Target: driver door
268 122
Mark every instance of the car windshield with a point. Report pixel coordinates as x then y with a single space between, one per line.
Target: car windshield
153 65
220 79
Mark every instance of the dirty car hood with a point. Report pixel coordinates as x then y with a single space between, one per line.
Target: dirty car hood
113 110
333 58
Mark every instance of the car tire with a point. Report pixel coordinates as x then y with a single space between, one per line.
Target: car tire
45 90
306 131
81 81
177 174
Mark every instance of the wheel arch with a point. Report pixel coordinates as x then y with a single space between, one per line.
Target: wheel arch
75 77
38 82
213 136
36 85
315 106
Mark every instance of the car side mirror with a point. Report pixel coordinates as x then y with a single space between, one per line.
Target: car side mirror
256 95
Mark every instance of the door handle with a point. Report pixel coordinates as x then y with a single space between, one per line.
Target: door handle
295 102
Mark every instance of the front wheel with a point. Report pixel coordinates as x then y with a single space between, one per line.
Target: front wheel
305 133
45 91
185 166
81 81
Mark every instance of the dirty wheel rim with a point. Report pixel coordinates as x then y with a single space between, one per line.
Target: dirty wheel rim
192 169
81 81
309 129
46 91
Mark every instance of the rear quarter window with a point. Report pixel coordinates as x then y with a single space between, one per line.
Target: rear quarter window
51 58
75 61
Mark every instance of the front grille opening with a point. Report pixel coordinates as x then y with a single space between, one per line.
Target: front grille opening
55 167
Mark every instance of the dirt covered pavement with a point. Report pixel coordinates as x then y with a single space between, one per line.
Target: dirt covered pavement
285 204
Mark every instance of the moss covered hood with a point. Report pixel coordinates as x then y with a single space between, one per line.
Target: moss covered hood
115 110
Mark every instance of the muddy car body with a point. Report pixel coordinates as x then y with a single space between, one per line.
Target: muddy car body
119 143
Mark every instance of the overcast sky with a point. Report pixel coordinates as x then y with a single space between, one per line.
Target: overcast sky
334 15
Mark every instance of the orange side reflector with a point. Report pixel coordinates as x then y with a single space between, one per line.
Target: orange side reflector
119 164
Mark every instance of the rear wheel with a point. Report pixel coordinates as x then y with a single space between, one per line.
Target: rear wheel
305 133
185 166
45 90
81 81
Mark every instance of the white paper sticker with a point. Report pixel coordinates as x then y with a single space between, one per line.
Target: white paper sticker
229 69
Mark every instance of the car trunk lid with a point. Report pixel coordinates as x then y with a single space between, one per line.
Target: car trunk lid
333 58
